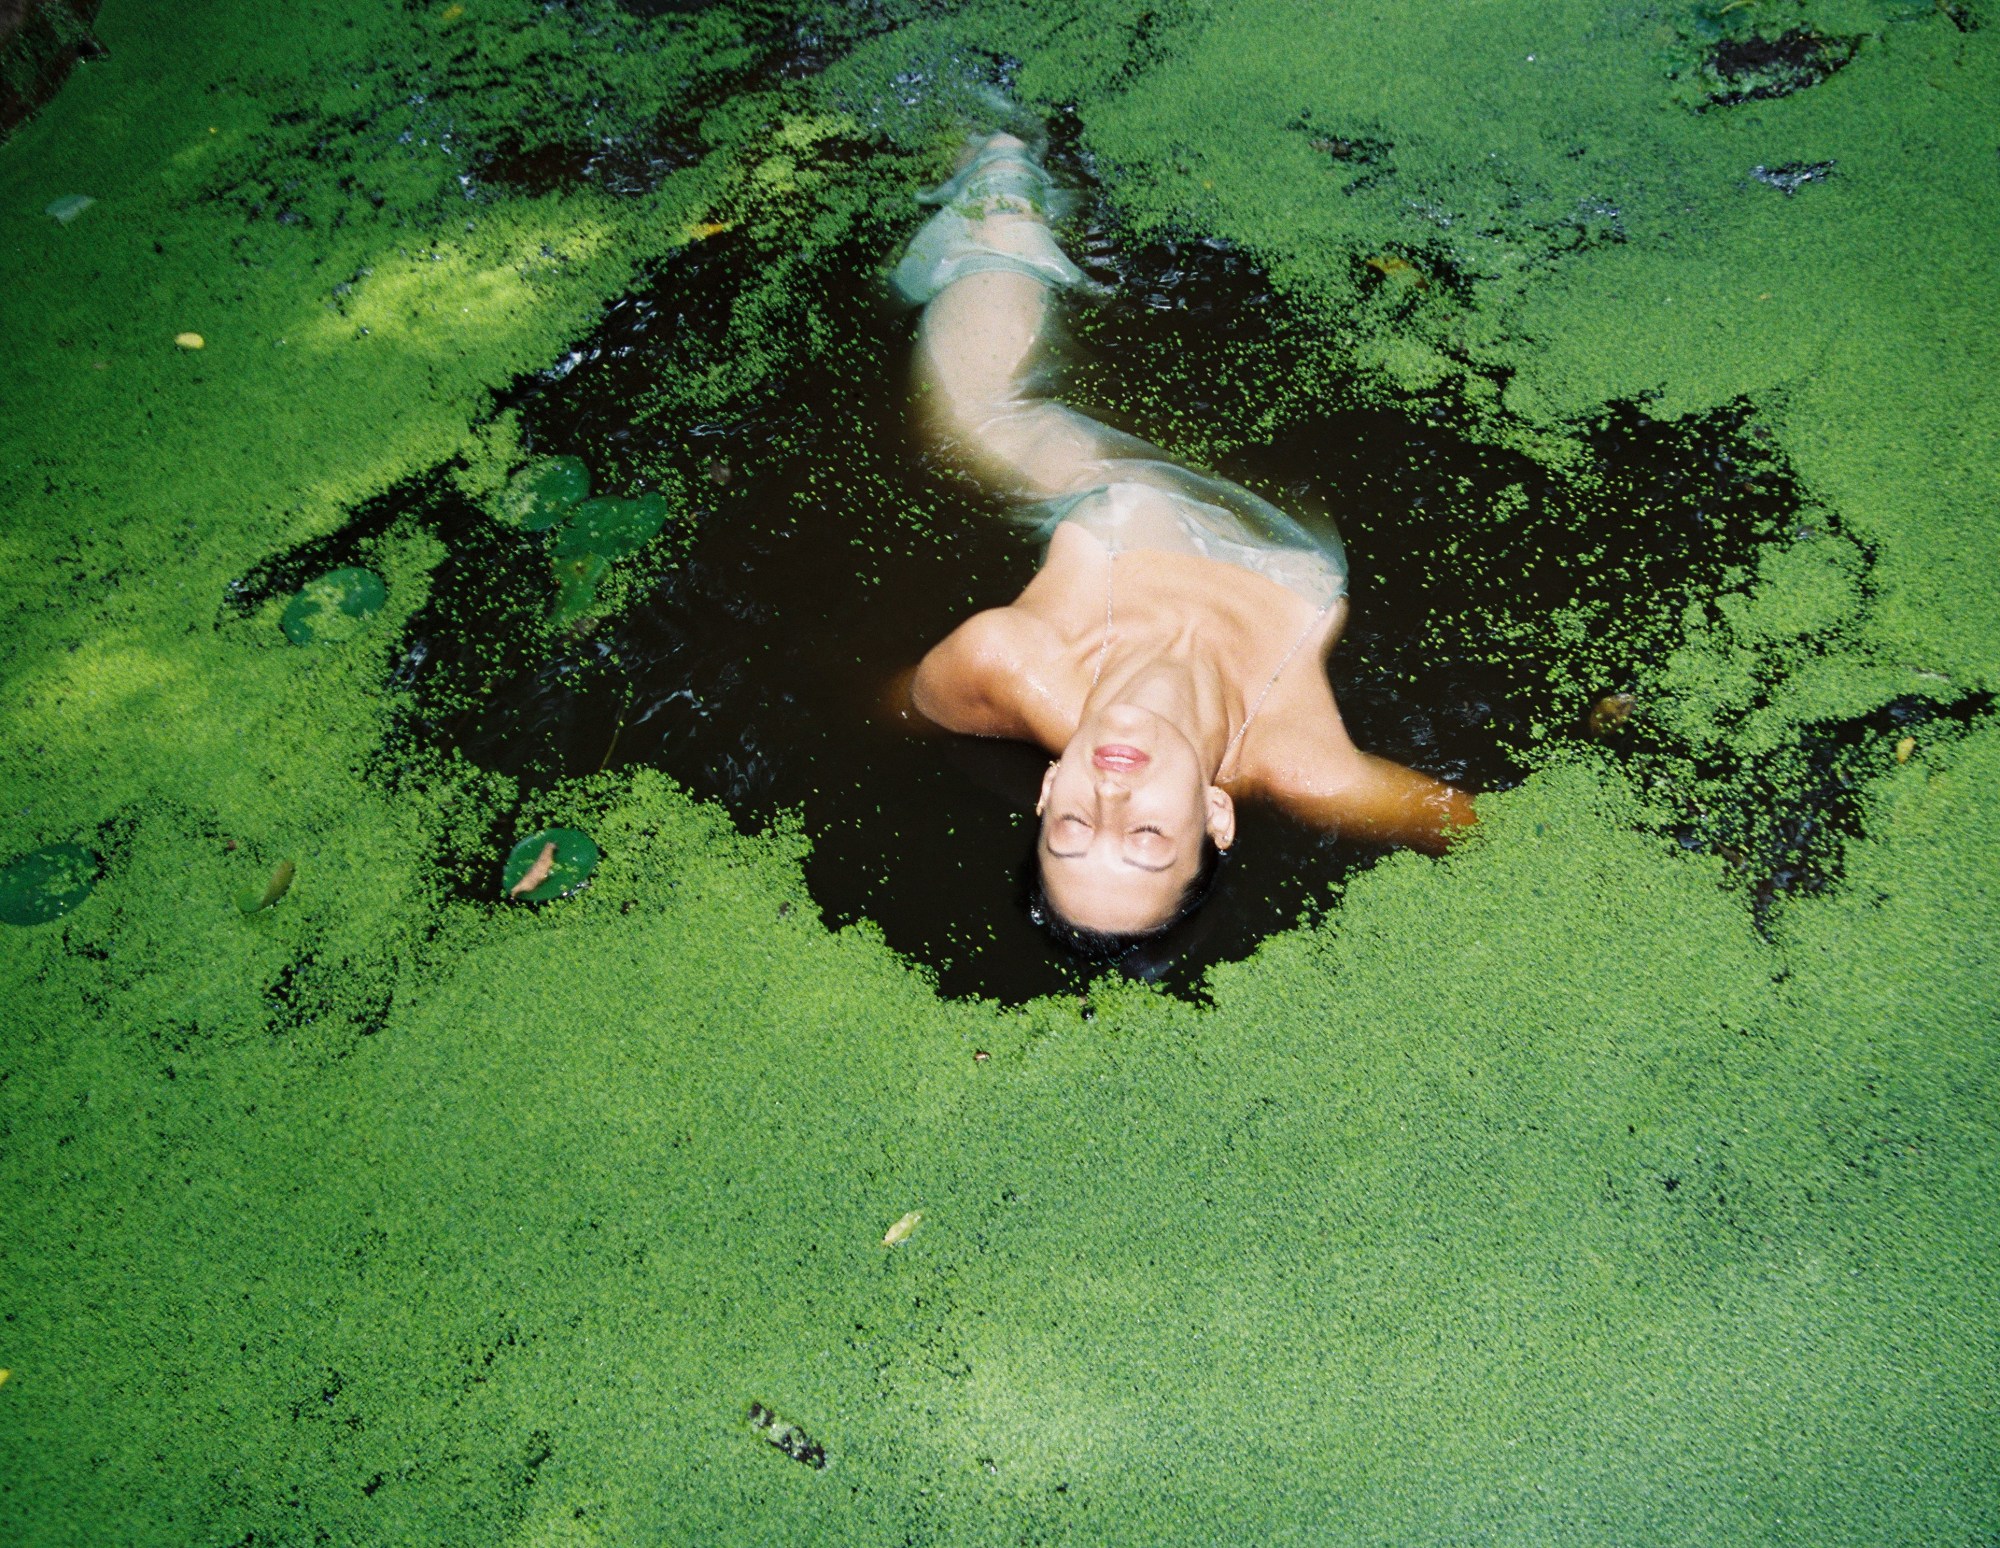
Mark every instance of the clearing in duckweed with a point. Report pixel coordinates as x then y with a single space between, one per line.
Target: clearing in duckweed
1626 1175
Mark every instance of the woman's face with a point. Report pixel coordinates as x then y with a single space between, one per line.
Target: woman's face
1124 811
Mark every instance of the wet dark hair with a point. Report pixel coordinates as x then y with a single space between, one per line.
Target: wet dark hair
1111 945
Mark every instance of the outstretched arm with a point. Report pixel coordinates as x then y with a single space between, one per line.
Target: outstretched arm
987 266
1385 803
1320 777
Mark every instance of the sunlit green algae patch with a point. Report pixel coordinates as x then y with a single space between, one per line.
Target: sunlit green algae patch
1547 1192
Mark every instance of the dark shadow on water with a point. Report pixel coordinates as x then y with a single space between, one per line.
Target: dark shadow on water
830 551
1785 817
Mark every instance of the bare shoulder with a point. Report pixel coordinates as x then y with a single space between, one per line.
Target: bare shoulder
1301 753
970 680
1307 764
1319 776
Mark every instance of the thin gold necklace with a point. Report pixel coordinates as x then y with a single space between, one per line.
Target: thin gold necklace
1236 741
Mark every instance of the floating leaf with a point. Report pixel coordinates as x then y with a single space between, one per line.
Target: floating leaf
1397 270
250 900
68 207
576 585
569 868
45 883
334 607
542 493
1610 713
611 527
900 1231
190 341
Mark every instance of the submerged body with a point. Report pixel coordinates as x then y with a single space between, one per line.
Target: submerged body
1171 649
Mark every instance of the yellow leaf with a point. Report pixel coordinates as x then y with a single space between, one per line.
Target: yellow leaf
1401 270
901 1230
1611 712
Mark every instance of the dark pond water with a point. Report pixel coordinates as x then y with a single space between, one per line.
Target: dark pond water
831 550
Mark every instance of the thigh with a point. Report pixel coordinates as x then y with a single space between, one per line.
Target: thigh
978 341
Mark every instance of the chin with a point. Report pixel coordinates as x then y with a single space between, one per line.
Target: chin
1128 718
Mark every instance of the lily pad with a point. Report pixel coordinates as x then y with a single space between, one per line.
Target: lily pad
333 608
251 899
611 527
45 883
542 493
68 207
576 585
570 865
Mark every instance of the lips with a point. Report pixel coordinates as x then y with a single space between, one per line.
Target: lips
1118 758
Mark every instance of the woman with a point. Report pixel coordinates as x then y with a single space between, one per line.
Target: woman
1171 649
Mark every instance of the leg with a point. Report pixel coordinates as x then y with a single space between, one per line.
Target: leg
986 265
976 352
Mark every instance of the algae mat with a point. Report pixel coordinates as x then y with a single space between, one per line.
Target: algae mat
1559 1190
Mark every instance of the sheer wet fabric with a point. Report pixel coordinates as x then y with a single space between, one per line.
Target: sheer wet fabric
1002 179
1058 465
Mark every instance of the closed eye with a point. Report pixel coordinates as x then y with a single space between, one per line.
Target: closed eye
1072 828
1149 848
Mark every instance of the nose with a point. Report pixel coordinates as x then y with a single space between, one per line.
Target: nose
1111 786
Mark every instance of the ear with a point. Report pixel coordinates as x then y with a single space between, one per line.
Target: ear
1048 784
1221 817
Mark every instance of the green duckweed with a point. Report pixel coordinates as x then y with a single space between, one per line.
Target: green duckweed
1541 1194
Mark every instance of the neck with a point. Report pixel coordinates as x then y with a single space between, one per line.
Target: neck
1186 683
1183 684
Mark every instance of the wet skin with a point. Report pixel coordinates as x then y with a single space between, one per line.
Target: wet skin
1209 683
1123 820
